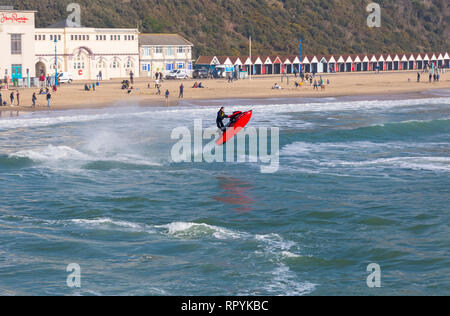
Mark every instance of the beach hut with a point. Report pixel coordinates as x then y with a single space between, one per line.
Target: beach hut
381 62
446 60
412 62
267 65
246 64
323 64
404 62
314 61
207 61
341 64
440 60
357 63
295 60
331 63
257 65
433 60
306 64
276 65
366 63
419 62
426 61
388 62
396 65
287 64
349 63
237 63
374 62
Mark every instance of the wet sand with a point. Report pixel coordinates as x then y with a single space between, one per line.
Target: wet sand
348 85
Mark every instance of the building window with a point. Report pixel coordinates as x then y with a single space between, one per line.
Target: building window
169 67
59 37
16 44
180 50
158 50
51 37
169 51
190 65
115 65
146 51
180 65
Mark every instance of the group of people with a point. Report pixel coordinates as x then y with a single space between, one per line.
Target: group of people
15 96
432 77
198 85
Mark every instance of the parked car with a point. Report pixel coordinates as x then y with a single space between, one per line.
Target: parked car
177 74
65 77
200 74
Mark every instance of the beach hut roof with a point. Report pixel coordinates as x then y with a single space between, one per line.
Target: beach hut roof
341 59
330 58
294 59
224 60
314 59
207 60
411 57
396 58
275 59
419 57
433 57
441 57
236 60
404 57
426 57
366 59
257 60
446 56
286 60
356 58
305 60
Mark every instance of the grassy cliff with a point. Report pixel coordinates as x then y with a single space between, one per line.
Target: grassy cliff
221 27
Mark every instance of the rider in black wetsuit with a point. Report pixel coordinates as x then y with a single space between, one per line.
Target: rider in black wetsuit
220 117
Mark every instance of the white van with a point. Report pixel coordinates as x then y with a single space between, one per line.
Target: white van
177 74
65 77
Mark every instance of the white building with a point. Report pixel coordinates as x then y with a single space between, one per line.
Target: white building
163 53
85 52
17 44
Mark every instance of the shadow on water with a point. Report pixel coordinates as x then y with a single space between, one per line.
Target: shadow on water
235 193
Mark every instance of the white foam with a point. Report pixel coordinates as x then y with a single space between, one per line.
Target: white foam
67 155
51 153
195 230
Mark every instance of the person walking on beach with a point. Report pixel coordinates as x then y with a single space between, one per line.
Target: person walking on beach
1 99
18 97
418 76
11 96
167 94
430 77
131 77
33 99
49 97
181 96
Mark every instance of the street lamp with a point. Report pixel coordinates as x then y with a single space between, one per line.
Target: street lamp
301 65
56 61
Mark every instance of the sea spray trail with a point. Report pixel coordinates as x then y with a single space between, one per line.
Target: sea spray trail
360 182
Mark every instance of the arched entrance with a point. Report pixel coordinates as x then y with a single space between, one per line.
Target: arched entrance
40 69
82 63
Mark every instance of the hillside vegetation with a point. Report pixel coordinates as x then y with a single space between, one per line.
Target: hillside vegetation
222 27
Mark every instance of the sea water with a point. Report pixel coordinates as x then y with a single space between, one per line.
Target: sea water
359 182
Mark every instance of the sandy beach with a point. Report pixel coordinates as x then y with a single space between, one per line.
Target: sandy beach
109 93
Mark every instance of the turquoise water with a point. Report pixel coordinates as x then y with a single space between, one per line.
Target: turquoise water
359 182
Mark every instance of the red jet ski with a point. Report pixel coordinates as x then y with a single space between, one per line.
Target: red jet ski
237 122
